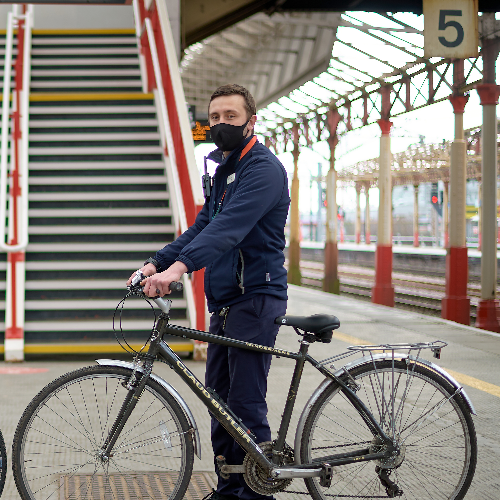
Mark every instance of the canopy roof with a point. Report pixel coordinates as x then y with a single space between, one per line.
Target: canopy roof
297 64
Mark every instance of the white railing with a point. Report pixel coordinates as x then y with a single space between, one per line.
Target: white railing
145 35
19 202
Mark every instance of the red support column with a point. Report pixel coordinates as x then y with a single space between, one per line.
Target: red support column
456 304
357 225
367 213
416 235
331 280
488 311
383 291
294 274
446 216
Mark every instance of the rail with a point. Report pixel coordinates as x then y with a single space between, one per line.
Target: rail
161 71
18 192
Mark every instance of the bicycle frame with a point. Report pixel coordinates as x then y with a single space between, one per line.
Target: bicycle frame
233 425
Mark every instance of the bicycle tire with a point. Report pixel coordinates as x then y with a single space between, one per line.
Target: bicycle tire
57 441
440 449
3 463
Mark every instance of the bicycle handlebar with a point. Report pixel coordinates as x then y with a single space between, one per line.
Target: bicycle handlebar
175 286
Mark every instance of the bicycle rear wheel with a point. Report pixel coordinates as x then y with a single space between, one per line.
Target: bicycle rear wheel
57 444
414 405
3 463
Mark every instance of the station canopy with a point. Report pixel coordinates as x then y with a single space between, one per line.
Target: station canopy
297 64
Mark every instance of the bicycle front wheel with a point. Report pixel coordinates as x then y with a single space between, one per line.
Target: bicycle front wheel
415 406
57 450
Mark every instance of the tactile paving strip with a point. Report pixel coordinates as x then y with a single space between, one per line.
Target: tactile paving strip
139 486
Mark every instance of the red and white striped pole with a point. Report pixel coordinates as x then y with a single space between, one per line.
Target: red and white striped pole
383 291
14 310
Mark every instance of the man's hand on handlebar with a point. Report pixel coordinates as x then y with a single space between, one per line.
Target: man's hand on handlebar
157 284
147 270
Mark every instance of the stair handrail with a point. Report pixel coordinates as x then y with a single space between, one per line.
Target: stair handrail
166 125
17 225
163 76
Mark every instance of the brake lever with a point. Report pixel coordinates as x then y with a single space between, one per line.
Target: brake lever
164 305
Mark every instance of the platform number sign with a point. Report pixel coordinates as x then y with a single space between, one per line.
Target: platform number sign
450 28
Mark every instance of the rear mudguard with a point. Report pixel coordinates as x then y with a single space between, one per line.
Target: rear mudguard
369 360
169 389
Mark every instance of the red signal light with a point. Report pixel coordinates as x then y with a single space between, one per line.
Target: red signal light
434 199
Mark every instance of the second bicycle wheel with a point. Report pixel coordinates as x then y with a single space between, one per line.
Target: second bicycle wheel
3 463
57 444
417 408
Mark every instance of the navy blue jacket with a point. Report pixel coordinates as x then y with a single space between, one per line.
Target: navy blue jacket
238 236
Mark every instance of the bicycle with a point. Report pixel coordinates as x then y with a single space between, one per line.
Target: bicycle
388 424
3 463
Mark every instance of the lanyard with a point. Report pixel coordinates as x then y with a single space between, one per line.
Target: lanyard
247 148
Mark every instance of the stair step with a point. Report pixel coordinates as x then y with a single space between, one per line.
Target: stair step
101 180
78 166
69 248
80 265
98 196
96 137
77 284
101 150
78 109
137 124
68 62
120 239
99 212
65 73
84 40
79 50
79 326
77 305
100 83
105 229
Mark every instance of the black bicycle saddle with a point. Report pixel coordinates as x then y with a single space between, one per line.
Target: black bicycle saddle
317 323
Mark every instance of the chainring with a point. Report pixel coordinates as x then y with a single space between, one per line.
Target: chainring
257 478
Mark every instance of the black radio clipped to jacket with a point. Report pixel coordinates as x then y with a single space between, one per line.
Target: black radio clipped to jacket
206 181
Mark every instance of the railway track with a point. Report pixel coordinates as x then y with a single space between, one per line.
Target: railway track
413 292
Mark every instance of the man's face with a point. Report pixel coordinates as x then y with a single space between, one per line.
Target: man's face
230 109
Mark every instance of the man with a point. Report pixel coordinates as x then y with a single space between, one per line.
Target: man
239 238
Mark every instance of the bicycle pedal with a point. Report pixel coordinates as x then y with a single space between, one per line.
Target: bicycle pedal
325 480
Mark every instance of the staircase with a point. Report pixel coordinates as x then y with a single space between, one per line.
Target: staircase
98 201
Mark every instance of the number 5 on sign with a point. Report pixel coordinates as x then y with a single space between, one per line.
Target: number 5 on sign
450 28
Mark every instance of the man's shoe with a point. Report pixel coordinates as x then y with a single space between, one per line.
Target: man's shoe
216 496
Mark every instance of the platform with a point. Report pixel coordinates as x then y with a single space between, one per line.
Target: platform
472 357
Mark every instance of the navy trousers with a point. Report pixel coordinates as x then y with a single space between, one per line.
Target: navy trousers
240 378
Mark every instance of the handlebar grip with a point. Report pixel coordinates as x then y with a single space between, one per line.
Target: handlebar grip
176 286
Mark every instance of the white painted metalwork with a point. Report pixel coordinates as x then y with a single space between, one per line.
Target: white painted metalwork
23 163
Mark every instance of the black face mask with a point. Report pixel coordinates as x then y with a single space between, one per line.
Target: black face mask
227 137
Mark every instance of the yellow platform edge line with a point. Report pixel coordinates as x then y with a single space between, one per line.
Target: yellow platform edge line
461 378
91 348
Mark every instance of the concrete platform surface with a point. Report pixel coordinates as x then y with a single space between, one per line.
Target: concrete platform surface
472 357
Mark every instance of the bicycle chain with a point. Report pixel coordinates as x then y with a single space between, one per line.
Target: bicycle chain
331 495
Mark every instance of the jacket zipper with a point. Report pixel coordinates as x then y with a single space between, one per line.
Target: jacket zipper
242 272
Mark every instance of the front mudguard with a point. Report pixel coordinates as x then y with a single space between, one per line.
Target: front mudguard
369 360
169 389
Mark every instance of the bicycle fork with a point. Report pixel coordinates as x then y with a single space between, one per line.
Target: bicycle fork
135 388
